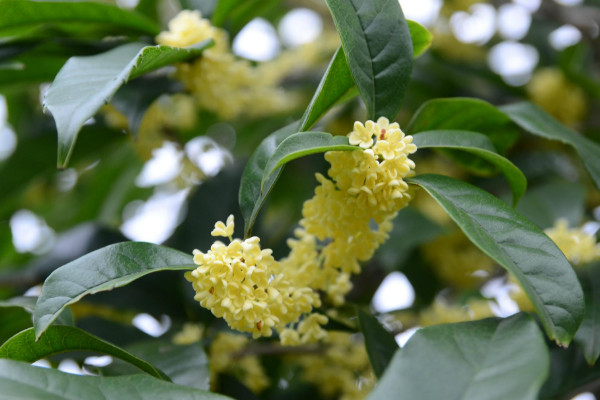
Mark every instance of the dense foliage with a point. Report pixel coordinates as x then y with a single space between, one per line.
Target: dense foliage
227 228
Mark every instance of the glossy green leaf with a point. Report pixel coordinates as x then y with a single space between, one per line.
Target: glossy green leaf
536 121
252 194
519 246
479 145
101 270
588 335
380 343
468 115
336 85
377 44
19 380
420 36
60 339
85 84
491 359
18 14
302 144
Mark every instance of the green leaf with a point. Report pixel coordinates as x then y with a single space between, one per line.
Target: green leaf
519 246
27 303
380 343
302 144
378 47
31 69
420 36
60 339
479 145
336 85
468 115
19 14
185 365
251 197
85 84
536 121
102 270
23 381
588 335
488 359
222 10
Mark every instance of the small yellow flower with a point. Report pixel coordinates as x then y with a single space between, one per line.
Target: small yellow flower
225 230
362 135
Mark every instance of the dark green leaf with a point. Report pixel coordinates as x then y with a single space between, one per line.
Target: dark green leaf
479 145
222 10
251 197
336 85
18 14
27 303
491 359
380 343
379 50
22 381
588 335
101 270
32 69
85 84
302 144
420 36
536 121
468 115
60 339
519 246
185 365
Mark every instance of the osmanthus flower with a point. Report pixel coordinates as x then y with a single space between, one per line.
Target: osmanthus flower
577 245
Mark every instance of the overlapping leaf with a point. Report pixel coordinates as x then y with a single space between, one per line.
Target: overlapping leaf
101 270
380 343
491 359
85 84
61 339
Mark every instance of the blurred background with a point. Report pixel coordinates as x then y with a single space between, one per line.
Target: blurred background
167 175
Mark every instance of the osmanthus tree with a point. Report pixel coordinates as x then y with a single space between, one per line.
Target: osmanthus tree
444 199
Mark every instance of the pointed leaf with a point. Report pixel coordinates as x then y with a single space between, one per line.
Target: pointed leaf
19 380
468 115
251 197
101 270
588 335
61 339
519 246
491 359
377 44
479 145
380 343
336 85
19 14
420 36
302 144
85 84
536 121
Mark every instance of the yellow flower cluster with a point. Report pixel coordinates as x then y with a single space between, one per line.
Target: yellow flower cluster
578 246
441 312
550 89
342 371
224 355
458 261
191 333
344 223
224 84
